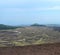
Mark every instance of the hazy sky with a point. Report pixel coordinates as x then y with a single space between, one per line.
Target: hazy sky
17 12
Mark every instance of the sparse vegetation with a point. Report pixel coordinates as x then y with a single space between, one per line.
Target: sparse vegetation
6 27
28 36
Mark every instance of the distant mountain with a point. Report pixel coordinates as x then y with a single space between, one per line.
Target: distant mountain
4 27
53 25
38 25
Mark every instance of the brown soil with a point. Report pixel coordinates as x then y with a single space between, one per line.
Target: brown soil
44 49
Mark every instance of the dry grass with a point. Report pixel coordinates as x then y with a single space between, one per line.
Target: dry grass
28 36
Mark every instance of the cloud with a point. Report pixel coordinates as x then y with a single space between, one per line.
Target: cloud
13 1
25 1
54 8
47 8
12 9
30 9
51 0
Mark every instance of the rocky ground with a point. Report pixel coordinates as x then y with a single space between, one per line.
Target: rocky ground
28 36
42 49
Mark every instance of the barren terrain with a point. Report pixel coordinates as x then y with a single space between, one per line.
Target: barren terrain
44 49
28 36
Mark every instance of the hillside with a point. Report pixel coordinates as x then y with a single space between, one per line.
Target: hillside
28 36
7 27
42 49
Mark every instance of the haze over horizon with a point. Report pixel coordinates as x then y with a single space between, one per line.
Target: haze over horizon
18 12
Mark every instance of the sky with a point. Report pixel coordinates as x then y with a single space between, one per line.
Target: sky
24 12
